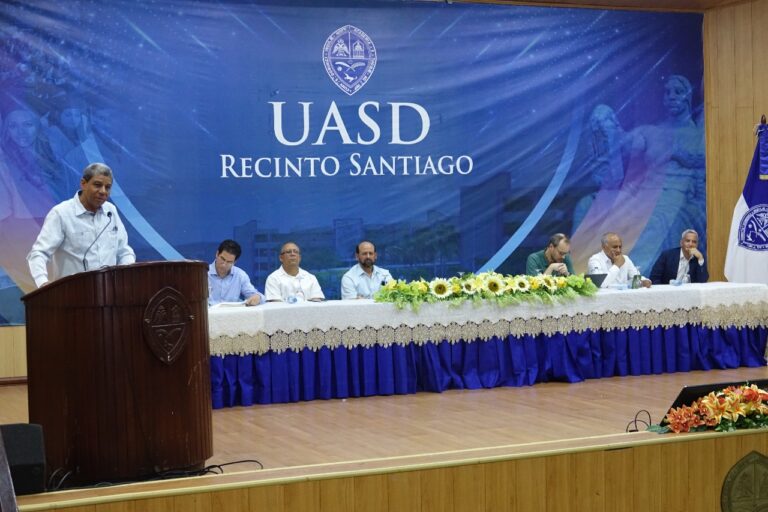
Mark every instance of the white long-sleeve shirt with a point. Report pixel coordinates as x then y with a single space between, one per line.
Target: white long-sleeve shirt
600 263
67 238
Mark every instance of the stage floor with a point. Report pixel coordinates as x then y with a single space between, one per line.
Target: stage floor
420 428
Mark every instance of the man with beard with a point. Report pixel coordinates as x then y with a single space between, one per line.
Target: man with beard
365 278
555 260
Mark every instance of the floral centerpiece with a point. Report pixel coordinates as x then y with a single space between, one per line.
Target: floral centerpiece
504 290
733 408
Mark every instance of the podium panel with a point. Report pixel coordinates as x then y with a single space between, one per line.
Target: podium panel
119 371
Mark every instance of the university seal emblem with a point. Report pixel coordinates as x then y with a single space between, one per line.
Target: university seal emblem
746 485
349 57
166 324
753 228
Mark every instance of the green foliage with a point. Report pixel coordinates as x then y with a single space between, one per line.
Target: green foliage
484 288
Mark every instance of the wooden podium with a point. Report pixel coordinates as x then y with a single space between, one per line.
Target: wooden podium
119 373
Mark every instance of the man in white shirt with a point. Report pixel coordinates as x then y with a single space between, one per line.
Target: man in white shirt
618 268
82 233
290 283
365 278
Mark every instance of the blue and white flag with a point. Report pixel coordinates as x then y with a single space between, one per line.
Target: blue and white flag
747 258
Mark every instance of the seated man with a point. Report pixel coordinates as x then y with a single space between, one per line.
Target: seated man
365 278
227 283
290 283
554 260
618 268
679 263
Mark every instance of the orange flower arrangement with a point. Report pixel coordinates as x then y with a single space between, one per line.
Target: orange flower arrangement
733 408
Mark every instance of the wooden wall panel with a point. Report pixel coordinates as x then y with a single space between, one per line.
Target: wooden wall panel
436 495
619 478
701 468
302 497
236 499
404 491
266 497
500 493
589 482
199 502
735 75
560 483
646 491
678 473
469 488
13 352
339 495
369 493
529 491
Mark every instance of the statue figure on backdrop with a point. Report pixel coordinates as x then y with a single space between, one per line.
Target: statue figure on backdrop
102 135
677 146
30 185
29 164
651 178
607 165
65 123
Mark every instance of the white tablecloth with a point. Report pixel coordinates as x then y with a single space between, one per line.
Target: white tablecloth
280 326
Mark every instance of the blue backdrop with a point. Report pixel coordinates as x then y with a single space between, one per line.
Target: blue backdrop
455 136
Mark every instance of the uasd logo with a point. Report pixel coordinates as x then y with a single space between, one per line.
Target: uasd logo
349 57
753 228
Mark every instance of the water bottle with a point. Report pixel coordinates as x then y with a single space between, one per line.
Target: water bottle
636 281
299 293
291 299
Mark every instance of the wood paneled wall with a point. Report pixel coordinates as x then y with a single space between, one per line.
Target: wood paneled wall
13 352
736 94
675 473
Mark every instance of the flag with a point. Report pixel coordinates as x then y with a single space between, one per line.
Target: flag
747 257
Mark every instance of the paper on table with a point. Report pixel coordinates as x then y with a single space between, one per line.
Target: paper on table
227 305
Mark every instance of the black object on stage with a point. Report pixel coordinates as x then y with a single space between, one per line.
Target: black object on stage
25 451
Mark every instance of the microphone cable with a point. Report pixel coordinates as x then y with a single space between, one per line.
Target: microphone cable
85 255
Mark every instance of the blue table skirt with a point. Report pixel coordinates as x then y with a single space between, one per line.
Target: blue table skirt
400 369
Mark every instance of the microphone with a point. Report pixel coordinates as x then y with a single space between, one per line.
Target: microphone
85 255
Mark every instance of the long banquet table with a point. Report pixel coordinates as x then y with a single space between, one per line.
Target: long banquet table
337 349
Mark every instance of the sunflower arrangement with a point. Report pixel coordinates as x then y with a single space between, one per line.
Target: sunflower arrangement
733 408
504 290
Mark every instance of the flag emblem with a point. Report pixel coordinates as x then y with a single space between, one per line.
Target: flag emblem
753 228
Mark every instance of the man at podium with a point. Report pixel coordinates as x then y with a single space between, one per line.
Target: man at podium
81 233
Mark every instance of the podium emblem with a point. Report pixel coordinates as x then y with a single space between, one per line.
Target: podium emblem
166 324
746 485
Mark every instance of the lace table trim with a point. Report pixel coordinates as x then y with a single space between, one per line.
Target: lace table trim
747 315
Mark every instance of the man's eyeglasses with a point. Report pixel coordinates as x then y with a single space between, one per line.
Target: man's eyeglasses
290 251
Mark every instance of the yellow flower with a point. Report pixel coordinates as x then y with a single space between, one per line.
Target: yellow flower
440 288
495 285
391 284
535 282
469 287
561 282
548 282
519 284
